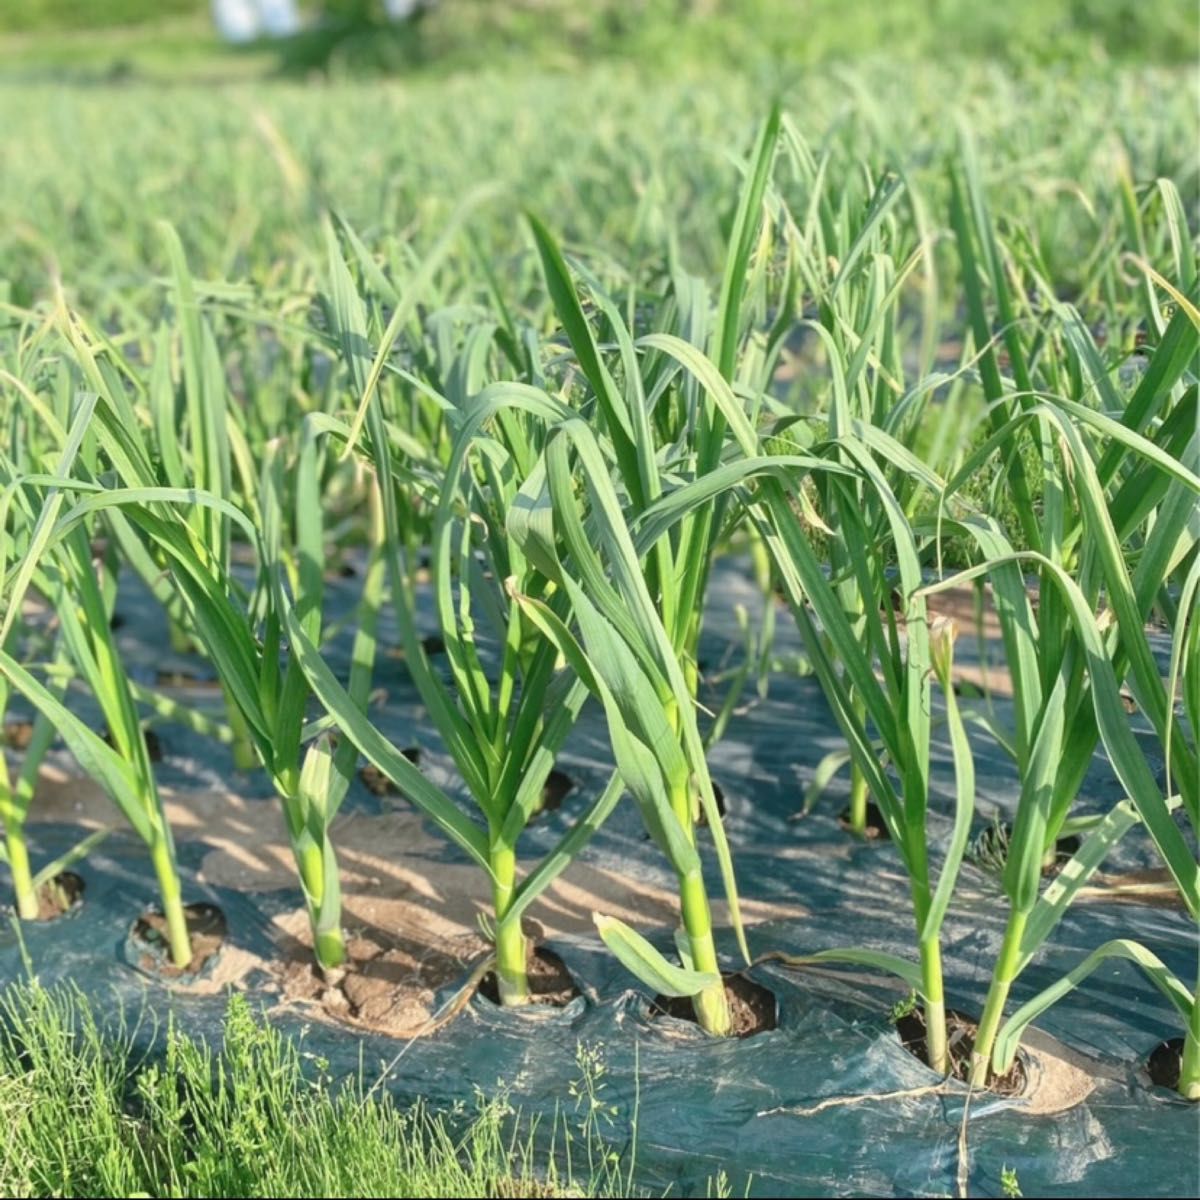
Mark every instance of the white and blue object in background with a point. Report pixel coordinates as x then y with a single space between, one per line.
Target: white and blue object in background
244 20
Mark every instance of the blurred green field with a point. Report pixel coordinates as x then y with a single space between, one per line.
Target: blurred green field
353 35
617 118
244 172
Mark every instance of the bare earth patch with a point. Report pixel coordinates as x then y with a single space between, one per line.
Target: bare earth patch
412 918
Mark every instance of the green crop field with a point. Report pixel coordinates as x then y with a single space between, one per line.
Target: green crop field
425 385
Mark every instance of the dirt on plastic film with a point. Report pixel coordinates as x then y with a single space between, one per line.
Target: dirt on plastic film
147 946
791 1105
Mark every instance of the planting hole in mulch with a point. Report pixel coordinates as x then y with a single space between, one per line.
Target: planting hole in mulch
1064 850
174 677
549 980
968 690
153 744
1166 1063
876 829
990 849
207 929
59 896
960 1038
378 784
719 797
18 734
558 786
752 1007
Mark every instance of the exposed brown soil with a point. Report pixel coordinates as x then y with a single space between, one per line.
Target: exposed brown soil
1057 1077
393 872
185 679
1064 850
558 786
1153 886
59 896
549 980
153 743
719 797
957 605
398 893
387 985
206 931
752 1007
960 1037
876 828
1166 1063
378 784
18 734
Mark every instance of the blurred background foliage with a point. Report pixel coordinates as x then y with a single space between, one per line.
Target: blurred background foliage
356 36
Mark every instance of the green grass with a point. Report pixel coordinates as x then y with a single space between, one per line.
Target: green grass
54 16
88 1112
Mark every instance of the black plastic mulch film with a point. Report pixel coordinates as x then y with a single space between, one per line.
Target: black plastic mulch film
705 1105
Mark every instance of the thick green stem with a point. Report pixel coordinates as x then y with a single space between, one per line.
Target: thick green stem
934 1006
512 979
858 800
323 901
244 757
18 863
857 821
178 941
930 948
993 1010
1189 1069
329 946
711 1005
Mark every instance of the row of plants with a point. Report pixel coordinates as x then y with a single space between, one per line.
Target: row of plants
571 469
